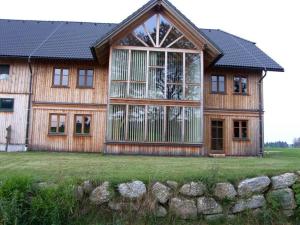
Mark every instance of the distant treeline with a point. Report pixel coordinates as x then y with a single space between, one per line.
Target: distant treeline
277 144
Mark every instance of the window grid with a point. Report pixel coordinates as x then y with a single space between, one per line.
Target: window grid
240 85
57 124
82 125
240 129
218 84
85 78
60 77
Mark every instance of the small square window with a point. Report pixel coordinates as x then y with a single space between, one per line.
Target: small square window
85 78
6 104
82 124
57 124
240 85
240 129
60 77
4 72
218 84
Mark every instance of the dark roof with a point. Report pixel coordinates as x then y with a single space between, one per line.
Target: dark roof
72 40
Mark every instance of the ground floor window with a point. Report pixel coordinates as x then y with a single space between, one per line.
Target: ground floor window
154 123
6 104
240 129
57 124
82 124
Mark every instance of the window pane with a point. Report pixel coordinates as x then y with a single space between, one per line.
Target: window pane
119 69
192 92
192 127
221 86
87 125
237 132
81 81
136 123
78 124
53 123
89 81
155 124
193 68
236 85
137 90
244 123
214 86
163 28
117 123
244 85
130 40
90 73
62 121
173 35
174 124
236 124
151 27
174 92
138 67
6 104
156 83
214 78
82 72
244 133
65 80
4 70
118 89
183 43
175 67
157 59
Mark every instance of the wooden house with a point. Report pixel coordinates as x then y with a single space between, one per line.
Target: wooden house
154 84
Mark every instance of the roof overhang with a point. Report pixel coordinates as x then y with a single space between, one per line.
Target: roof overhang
100 49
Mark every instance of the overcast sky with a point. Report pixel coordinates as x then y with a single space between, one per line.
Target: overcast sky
273 24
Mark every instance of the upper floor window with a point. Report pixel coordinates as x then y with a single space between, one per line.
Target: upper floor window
6 104
240 129
57 124
240 85
217 84
4 72
60 77
82 124
157 32
85 78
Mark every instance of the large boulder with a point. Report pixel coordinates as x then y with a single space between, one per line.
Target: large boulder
183 208
100 194
285 198
161 192
87 187
255 185
225 191
283 181
193 189
132 190
254 202
208 206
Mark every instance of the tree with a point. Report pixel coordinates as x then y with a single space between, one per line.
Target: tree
296 143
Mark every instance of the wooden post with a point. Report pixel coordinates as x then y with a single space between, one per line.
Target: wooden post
8 137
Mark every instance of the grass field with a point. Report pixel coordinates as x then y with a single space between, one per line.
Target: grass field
55 167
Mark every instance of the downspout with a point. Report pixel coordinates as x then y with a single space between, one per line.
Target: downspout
29 104
261 109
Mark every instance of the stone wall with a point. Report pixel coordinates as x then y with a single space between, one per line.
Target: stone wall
193 200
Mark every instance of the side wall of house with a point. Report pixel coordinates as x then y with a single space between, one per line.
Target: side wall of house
229 107
16 87
69 101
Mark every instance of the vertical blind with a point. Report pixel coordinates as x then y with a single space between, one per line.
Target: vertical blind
152 123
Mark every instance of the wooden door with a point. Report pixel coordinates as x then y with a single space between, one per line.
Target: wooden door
217 137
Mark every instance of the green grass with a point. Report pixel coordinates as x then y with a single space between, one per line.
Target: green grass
56 167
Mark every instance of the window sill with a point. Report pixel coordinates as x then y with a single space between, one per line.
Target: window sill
82 135
79 87
58 86
154 143
218 93
57 135
240 94
241 139
7 110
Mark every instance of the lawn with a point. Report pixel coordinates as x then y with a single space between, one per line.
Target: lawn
54 167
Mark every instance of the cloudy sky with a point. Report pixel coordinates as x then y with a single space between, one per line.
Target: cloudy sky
273 24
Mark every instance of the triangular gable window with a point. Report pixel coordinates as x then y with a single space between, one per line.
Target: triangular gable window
157 32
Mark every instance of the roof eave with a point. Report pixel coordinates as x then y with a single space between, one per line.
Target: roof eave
271 69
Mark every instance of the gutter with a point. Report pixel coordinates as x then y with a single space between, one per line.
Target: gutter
261 108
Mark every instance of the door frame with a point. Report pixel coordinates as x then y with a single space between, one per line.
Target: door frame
211 151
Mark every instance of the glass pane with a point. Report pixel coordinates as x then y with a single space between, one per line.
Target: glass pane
221 86
78 124
81 81
65 72
164 26
236 84
53 123
89 81
236 132
130 40
214 86
157 59
138 66
118 89
192 92
4 70
65 80
81 72
174 124
90 73
244 123
87 125
137 90
244 85
142 34
151 27
62 121
175 67
6 104
156 83
117 124
236 124
192 127
183 43
155 124
136 123
56 80
244 133
214 78
119 67
173 35
174 92
193 68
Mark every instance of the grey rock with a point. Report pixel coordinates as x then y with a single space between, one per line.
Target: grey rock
208 206
193 189
132 190
161 212
183 208
214 217
78 192
254 202
255 185
283 181
87 187
285 198
100 194
161 192
257 212
224 191
172 184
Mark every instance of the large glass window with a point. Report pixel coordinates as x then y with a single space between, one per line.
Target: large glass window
153 123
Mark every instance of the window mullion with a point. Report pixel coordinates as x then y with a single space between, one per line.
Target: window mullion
157 29
183 124
147 75
128 75
165 37
146 122
184 79
166 72
126 122
165 124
